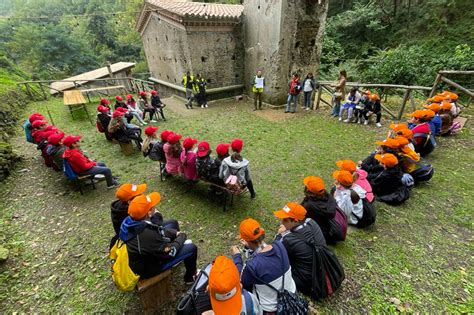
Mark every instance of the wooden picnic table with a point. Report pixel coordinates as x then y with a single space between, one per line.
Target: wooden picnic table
74 100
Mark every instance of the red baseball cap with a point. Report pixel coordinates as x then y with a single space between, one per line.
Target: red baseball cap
55 138
117 113
203 148
222 149
153 92
102 109
164 135
173 138
51 128
38 123
70 140
104 101
35 116
237 145
122 109
188 143
142 93
150 130
119 98
129 96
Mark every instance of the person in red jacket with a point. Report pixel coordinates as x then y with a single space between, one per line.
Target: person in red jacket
82 165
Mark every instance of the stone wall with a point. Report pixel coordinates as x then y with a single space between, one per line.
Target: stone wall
281 37
171 51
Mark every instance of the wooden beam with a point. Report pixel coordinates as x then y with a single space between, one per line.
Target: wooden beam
457 86
456 72
318 97
388 111
435 84
406 96
380 85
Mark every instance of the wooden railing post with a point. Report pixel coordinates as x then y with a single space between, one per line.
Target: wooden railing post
318 97
435 84
404 102
44 93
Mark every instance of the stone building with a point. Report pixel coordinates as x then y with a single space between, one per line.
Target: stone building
227 43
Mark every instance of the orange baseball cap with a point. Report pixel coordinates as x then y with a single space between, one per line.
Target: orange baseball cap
397 127
389 142
343 177
291 210
250 229
128 191
387 159
224 287
437 98
446 106
314 184
140 205
418 114
449 95
435 107
402 141
429 114
405 133
347 165
374 97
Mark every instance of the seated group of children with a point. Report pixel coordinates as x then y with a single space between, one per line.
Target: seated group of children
231 170
361 107
55 147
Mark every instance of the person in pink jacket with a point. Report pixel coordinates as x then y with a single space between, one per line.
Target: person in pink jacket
172 150
188 159
359 175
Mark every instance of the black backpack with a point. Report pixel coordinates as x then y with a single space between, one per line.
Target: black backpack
397 197
203 167
196 300
368 215
423 173
156 152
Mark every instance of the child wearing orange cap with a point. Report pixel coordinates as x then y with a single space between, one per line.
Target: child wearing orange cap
134 110
321 207
373 108
435 122
360 176
348 196
423 139
188 159
236 165
451 98
226 293
388 184
266 263
155 245
172 149
296 233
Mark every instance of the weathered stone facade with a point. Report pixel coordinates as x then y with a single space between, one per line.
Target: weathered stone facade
227 43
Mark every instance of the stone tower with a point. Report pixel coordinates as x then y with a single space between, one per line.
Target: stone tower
281 37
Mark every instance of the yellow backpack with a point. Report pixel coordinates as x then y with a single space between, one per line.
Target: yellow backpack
124 278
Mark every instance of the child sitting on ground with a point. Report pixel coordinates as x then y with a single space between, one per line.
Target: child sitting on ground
424 141
435 123
27 127
351 102
359 175
172 149
188 159
448 125
348 196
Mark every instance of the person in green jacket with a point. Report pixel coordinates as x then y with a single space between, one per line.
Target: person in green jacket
188 83
258 85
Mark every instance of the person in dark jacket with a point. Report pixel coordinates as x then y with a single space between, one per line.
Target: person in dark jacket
103 117
119 103
157 104
204 160
122 132
155 245
390 179
222 151
308 86
119 208
294 232
200 88
320 205
370 164
55 149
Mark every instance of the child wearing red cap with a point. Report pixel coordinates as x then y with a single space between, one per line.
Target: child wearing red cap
119 103
267 263
157 104
55 150
82 165
122 132
147 108
222 151
188 159
172 149
236 165
204 160
103 120
134 110
27 127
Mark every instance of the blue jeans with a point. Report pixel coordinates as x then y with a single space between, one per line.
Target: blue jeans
291 98
307 99
336 106
188 254
101 168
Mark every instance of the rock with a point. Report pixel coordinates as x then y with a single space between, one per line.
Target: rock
3 254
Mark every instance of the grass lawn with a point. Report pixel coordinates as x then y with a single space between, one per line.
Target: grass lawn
416 258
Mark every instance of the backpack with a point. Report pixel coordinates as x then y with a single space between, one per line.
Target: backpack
196 300
99 126
423 173
232 182
203 166
427 145
368 215
156 153
327 273
397 197
338 228
122 275
288 303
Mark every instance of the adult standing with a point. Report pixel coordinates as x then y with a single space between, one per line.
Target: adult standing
257 89
188 83
295 89
339 93
309 84
200 88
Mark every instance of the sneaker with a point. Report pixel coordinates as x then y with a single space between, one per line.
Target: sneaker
378 125
366 122
144 123
202 106
114 185
346 121
340 118
99 176
307 108
153 121
206 106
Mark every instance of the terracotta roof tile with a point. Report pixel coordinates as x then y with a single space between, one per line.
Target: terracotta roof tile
200 9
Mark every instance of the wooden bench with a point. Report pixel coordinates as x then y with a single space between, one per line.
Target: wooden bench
127 148
227 193
154 292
